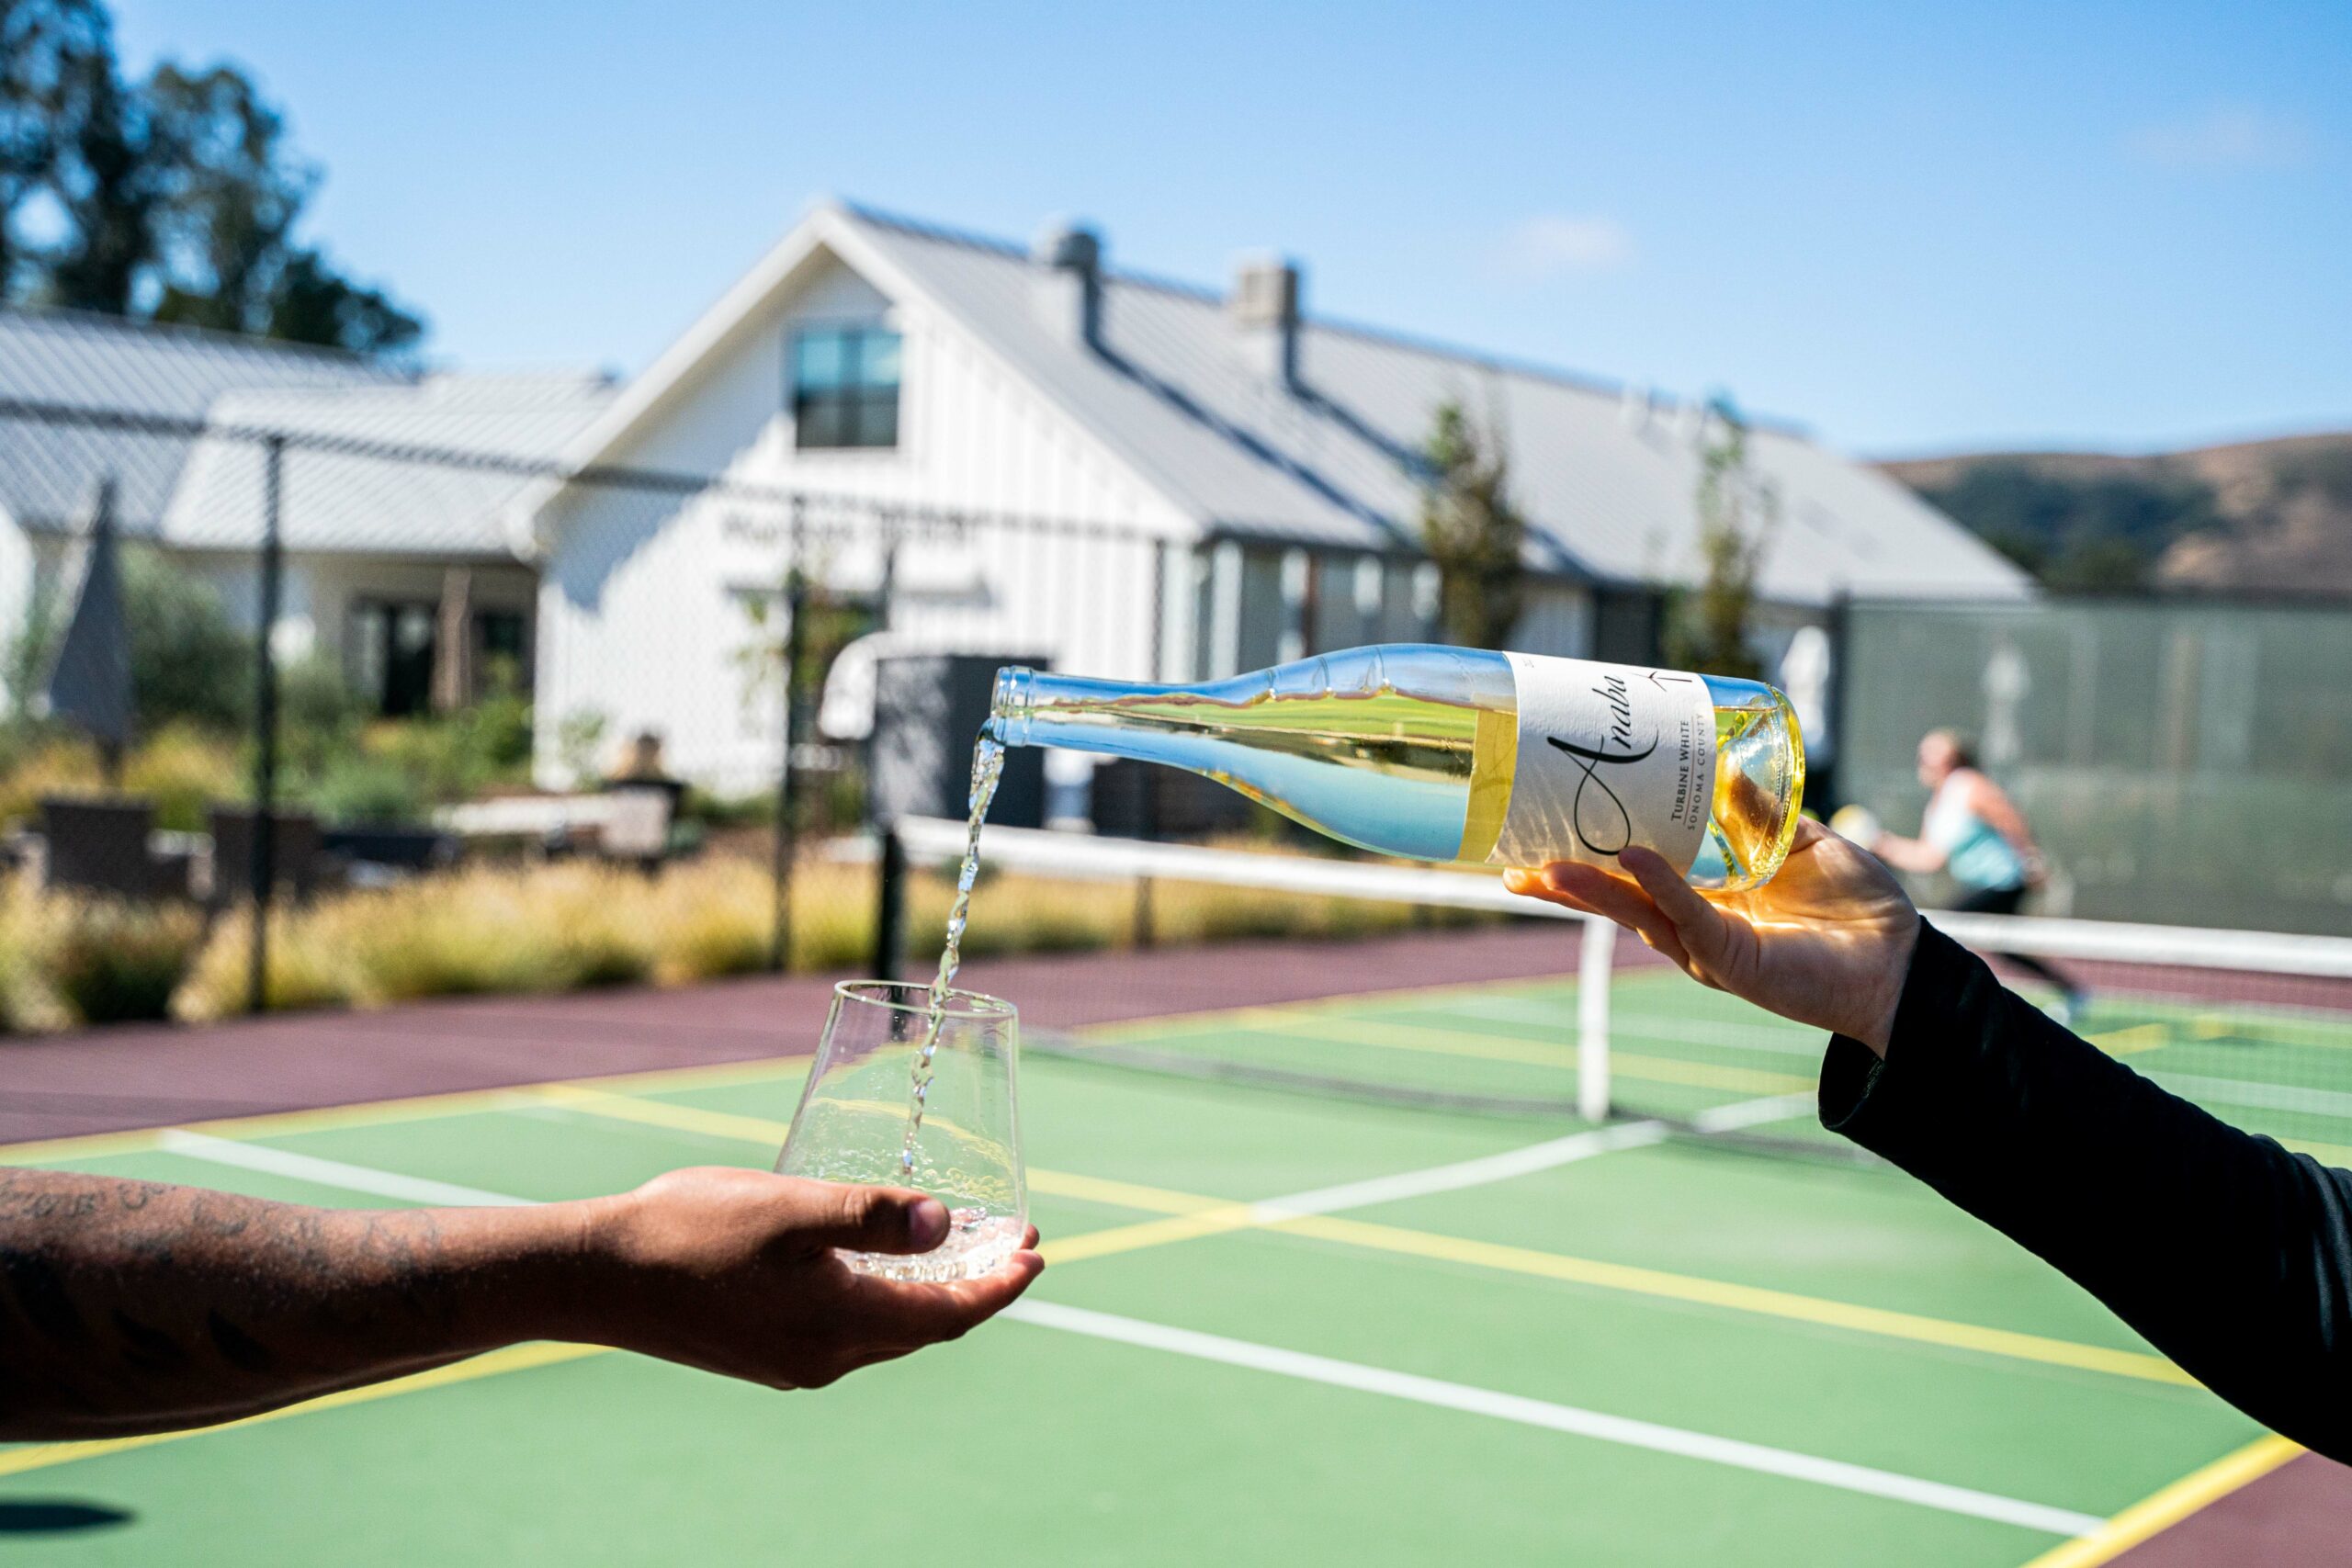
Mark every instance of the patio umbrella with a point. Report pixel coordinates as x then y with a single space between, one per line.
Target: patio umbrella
89 682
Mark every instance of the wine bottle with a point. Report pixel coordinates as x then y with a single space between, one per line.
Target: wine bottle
1445 753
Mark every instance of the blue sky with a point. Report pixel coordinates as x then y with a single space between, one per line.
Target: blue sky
1913 228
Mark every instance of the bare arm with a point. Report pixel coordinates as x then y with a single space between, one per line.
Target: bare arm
1907 855
2233 1256
130 1306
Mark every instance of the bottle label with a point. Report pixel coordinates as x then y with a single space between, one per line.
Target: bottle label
1609 755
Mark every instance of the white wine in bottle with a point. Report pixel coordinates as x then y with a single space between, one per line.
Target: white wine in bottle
1445 753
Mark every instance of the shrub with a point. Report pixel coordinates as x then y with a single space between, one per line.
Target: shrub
485 931
466 935
25 1005
362 789
309 966
556 928
187 663
833 917
116 963
457 756
579 741
184 772
718 918
102 959
57 764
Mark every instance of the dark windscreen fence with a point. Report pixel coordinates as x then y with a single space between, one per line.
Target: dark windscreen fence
2180 761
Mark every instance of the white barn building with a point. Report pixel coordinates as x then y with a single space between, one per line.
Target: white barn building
402 571
1253 461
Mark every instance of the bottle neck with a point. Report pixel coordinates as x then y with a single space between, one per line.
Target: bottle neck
1035 708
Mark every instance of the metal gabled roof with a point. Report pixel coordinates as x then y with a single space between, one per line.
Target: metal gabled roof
1609 482
335 500
46 471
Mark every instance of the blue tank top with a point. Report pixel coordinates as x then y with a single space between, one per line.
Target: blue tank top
1975 852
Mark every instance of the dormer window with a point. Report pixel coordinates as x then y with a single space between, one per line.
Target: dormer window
844 387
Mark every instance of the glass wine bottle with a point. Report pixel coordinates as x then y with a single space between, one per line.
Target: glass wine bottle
1444 753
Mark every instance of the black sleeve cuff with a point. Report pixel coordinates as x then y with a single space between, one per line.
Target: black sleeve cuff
1877 1102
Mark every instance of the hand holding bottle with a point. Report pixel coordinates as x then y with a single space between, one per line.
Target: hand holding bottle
1825 942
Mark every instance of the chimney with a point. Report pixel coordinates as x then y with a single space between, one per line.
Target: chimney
1265 311
1069 287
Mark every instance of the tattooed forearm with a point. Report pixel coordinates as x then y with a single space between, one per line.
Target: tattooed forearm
134 1305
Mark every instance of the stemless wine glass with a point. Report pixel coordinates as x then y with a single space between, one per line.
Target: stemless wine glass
854 1118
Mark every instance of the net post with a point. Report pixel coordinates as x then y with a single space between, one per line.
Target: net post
890 900
1594 956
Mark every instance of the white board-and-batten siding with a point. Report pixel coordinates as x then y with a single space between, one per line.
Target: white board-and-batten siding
647 606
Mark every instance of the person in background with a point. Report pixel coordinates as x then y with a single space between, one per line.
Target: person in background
1973 832
2230 1253
643 767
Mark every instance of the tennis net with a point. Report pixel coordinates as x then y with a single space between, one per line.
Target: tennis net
1437 988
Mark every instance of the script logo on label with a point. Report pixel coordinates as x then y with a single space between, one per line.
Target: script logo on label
1601 822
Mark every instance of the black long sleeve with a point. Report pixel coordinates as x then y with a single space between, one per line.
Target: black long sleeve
2232 1255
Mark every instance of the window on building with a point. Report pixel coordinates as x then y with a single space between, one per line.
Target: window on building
501 652
394 645
844 387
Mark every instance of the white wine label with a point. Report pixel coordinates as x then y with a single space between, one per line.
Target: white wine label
1609 755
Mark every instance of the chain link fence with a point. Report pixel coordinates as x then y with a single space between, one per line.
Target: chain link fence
600 726
2181 761
523 725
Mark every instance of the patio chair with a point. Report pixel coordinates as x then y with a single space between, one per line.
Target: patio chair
295 853
99 846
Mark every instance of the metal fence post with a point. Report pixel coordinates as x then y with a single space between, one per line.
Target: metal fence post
263 867
1159 548
787 831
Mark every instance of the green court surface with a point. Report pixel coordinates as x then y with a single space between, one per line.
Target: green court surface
1275 1328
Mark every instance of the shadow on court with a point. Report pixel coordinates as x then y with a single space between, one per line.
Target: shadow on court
57 1515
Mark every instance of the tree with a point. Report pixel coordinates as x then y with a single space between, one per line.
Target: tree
1707 626
45 49
188 662
312 304
233 193
1472 531
107 182
180 196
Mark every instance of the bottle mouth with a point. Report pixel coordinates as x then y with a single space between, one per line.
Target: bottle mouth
1008 704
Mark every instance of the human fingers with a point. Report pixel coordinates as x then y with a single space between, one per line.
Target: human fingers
909 1313
1530 883
1614 898
1704 930
866 1218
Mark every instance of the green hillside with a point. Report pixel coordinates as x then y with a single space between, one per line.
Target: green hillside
2267 516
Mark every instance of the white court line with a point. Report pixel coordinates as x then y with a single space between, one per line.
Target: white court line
1620 1429
2257 1095
329 1172
1753 1113
1467 1173
1797 1039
